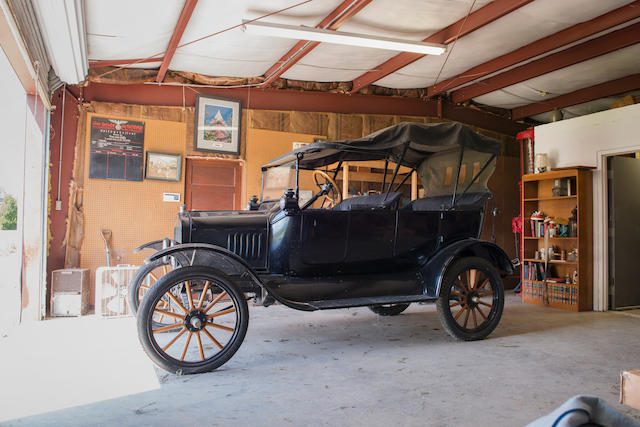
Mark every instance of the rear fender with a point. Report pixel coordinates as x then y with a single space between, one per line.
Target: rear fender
434 270
227 262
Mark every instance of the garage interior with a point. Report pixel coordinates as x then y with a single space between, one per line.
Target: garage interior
556 83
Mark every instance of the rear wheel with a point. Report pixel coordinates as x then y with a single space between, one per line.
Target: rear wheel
388 309
143 280
471 299
209 320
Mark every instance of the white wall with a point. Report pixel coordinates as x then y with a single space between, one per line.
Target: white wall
576 142
587 141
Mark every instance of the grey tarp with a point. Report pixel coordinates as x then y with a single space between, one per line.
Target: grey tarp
424 139
584 410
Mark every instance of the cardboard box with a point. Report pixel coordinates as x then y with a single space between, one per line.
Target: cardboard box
630 388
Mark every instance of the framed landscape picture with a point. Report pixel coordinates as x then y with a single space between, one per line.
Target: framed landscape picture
217 127
163 166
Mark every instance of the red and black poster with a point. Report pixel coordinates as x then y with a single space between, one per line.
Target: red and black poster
117 149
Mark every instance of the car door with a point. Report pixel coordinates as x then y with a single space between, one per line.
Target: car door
323 237
371 235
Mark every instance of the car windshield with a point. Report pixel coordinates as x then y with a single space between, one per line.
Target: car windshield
277 180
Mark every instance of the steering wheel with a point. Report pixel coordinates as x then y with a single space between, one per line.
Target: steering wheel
333 195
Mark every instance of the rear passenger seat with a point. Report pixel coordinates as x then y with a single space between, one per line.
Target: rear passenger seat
374 202
469 201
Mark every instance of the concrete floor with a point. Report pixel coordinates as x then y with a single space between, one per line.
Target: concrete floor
345 367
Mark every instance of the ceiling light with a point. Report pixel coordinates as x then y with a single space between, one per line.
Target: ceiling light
339 37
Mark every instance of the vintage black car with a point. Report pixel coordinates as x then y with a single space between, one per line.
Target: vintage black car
381 250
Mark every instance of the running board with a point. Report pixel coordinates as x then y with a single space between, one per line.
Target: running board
360 302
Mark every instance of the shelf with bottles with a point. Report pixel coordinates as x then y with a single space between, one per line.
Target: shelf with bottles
550 238
556 251
538 199
552 261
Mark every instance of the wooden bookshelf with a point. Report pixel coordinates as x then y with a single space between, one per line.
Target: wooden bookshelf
537 194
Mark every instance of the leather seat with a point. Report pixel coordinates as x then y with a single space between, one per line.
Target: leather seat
373 202
469 201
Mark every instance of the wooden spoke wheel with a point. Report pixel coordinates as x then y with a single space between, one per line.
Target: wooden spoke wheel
144 279
206 329
334 196
388 309
471 299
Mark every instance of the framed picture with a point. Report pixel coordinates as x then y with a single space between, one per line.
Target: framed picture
217 127
163 166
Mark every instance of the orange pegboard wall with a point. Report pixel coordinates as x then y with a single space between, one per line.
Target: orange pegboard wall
133 211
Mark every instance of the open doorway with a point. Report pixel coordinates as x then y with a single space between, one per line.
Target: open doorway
623 179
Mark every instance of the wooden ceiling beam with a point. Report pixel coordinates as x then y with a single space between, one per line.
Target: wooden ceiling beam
293 100
117 62
540 47
333 21
588 50
478 19
602 90
183 20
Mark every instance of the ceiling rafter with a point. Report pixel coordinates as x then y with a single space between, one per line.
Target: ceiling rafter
333 21
540 47
183 20
602 90
481 17
125 62
588 50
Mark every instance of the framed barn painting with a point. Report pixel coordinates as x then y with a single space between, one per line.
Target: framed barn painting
163 166
217 127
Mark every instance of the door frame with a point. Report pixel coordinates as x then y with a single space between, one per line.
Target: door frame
242 188
601 226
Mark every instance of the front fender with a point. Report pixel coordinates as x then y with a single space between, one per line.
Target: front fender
227 262
206 254
435 268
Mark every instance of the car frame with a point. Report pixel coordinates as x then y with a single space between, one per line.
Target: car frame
373 250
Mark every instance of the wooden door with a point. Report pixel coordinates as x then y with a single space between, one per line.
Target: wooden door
213 185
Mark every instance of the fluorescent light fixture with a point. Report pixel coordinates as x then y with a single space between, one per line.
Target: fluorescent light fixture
339 37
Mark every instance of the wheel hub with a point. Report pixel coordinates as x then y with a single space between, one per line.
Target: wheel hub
195 320
472 299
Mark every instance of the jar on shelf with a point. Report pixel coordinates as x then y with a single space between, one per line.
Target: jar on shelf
541 163
573 223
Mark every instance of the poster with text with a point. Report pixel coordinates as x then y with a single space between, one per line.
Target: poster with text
117 149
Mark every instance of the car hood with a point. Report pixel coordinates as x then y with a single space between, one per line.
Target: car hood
243 232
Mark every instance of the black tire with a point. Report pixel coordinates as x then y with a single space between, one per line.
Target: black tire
470 283
194 319
389 309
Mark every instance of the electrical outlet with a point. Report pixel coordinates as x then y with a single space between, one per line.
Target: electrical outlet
58 205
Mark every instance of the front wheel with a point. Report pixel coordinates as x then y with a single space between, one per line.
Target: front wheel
210 320
471 299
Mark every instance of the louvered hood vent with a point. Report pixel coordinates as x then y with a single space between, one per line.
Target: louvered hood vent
247 245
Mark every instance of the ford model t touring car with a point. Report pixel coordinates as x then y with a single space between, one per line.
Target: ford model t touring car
377 250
